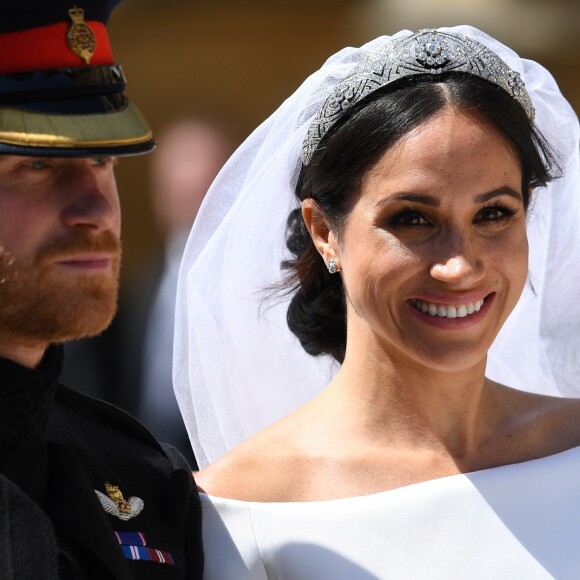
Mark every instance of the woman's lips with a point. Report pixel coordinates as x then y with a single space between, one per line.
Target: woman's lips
452 313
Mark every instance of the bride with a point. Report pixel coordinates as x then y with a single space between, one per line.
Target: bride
426 168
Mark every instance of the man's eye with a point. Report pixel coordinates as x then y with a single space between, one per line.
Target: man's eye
39 164
103 161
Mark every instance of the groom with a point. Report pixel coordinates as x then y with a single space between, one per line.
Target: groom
86 492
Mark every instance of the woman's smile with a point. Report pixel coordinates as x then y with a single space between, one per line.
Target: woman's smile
460 315
449 310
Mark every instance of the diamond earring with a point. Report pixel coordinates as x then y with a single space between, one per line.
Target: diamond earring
331 265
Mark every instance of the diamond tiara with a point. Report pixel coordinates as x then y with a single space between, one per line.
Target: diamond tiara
425 52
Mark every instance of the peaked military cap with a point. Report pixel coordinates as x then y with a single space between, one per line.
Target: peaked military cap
61 92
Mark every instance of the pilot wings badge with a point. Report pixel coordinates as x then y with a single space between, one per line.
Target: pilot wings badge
115 504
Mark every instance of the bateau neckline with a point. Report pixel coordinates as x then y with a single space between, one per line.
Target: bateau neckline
401 489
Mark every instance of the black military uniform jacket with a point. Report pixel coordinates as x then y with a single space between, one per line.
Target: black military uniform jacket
86 492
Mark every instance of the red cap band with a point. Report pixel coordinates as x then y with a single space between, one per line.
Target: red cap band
47 47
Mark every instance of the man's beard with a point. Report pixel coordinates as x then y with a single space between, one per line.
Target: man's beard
40 304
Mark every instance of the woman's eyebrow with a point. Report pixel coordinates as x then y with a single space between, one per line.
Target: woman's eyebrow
483 197
434 202
414 197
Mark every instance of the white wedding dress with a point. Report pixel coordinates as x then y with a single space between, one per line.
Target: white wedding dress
518 521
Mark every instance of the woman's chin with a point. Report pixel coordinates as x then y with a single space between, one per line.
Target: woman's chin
447 359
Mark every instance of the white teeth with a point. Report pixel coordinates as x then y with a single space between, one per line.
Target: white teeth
447 311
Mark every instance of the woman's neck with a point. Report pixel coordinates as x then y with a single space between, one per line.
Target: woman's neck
410 405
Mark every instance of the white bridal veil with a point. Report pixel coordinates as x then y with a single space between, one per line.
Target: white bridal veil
237 367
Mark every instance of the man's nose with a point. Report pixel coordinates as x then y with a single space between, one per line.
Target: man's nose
91 200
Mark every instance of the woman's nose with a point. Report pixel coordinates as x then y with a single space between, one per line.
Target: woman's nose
459 264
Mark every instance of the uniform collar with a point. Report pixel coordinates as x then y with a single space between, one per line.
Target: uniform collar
26 397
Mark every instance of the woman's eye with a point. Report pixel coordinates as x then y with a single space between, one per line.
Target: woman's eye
408 219
494 214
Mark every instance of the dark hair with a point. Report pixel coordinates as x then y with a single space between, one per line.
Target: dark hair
316 314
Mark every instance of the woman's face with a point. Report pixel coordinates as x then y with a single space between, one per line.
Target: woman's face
434 251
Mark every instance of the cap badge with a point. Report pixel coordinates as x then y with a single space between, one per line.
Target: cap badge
115 504
81 38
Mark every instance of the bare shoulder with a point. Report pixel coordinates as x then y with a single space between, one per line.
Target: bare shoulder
563 419
554 421
262 468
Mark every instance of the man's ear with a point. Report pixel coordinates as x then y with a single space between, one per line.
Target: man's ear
322 234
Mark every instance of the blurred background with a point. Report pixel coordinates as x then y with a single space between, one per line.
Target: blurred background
231 64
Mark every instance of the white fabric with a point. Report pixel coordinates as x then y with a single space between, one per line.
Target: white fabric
237 367
517 521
